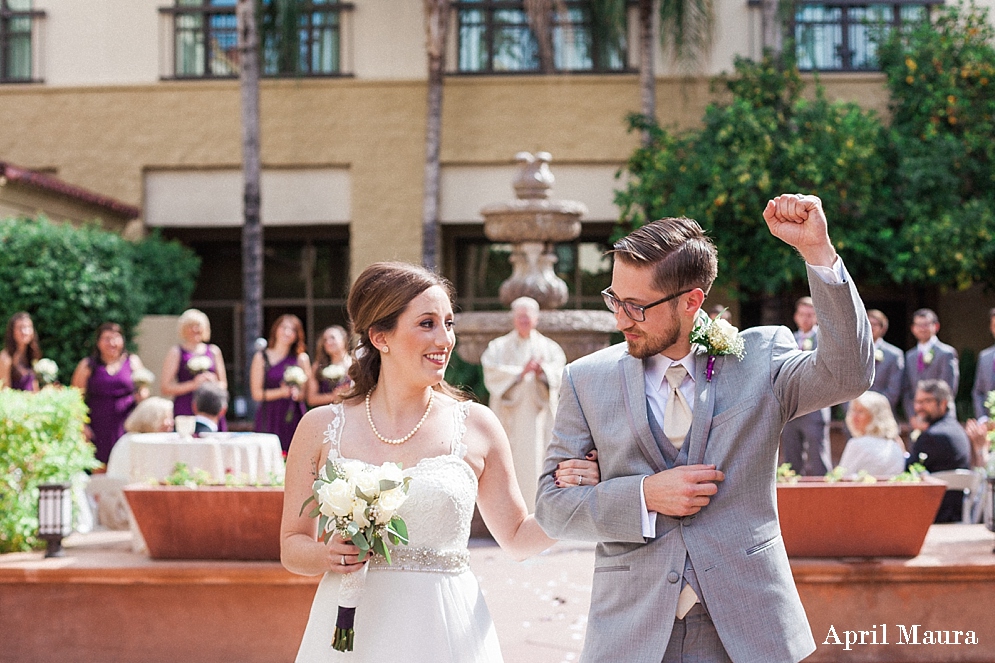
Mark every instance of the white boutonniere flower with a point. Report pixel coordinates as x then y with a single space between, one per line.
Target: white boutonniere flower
879 355
716 337
927 357
807 343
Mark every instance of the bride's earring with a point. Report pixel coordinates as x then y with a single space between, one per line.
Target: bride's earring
385 349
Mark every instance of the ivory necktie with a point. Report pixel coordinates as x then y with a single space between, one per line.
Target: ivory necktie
677 415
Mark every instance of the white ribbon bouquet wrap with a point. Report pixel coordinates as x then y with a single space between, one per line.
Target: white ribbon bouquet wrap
359 502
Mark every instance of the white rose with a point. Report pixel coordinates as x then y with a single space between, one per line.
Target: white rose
351 468
359 514
388 504
391 472
336 498
367 482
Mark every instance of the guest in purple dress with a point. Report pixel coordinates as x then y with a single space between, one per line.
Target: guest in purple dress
19 353
281 400
106 380
329 377
192 363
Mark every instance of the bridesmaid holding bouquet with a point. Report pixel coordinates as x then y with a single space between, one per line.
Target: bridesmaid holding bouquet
278 379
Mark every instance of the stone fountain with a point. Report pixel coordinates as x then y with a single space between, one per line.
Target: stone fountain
532 223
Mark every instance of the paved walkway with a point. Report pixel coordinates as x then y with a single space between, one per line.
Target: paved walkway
539 606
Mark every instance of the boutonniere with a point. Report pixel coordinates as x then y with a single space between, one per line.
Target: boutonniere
807 343
716 337
879 355
927 357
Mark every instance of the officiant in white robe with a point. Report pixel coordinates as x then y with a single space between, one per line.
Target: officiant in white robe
522 372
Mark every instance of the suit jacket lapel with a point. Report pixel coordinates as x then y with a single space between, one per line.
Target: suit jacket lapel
704 396
634 391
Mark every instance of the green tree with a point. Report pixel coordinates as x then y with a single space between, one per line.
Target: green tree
765 141
941 77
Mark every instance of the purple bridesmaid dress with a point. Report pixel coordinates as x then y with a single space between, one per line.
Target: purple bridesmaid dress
26 382
111 398
183 404
282 415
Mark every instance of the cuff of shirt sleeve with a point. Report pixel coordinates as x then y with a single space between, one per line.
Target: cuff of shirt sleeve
648 518
833 275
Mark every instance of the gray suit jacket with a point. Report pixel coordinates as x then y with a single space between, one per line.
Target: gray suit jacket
944 366
888 373
984 381
734 543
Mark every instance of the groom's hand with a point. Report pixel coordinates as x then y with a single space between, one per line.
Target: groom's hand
798 220
683 490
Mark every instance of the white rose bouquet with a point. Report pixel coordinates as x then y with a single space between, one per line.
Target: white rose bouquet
142 377
46 370
333 373
295 377
717 337
359 502
199 364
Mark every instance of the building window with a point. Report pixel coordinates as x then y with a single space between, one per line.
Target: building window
844 37
18 22
298 38
494 36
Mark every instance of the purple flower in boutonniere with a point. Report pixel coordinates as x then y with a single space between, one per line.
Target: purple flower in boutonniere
716 337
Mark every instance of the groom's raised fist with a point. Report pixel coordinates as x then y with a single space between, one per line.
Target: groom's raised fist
799 221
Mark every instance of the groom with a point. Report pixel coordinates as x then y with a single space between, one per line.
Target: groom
690 564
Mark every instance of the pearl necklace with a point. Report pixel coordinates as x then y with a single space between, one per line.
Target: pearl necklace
400 440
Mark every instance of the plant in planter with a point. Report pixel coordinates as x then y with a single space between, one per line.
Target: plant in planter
863 517
41 441
186 517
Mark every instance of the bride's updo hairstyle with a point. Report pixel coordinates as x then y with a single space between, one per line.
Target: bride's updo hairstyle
377 299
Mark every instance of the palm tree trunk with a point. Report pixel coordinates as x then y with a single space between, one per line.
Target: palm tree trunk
252 231
436 29
647 68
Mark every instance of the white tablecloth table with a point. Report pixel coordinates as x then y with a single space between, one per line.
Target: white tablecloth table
248 457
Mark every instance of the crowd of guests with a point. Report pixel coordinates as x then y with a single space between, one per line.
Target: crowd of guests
115 384
917 387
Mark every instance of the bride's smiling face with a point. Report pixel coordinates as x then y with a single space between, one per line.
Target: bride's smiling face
421 343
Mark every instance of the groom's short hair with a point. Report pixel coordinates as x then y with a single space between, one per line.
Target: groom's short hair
678 251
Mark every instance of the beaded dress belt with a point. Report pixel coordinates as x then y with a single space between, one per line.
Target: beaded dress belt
423 559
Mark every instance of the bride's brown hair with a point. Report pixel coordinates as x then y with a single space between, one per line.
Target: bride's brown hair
377 298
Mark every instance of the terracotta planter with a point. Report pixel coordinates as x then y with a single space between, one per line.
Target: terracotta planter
846 519
208 522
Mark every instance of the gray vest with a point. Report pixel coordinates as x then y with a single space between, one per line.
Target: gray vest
674 458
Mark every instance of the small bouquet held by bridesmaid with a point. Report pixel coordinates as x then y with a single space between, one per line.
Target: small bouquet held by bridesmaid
199 364
142 378
46 370
333 374
359 502
295 377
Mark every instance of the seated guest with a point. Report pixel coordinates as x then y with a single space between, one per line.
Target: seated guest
210 402
875 447
152 415
942 443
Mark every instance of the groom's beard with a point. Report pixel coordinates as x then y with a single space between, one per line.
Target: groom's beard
648 345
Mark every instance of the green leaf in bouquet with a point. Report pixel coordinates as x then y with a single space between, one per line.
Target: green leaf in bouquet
399 527
363 496
359 540
330 470
304 506
380 548
387 484
315 511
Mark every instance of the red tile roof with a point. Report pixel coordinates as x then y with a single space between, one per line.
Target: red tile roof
50 183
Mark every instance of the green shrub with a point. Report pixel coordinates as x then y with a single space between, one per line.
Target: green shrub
72 279
41 441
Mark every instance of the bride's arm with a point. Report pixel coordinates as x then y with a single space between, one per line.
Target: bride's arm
498 496
300 550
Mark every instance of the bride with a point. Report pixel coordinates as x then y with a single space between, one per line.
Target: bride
426 606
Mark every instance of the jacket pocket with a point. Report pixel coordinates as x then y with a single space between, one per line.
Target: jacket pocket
762 546
611 569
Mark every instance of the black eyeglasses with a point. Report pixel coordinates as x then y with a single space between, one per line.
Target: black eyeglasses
635 312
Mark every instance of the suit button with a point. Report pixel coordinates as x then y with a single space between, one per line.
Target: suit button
673 576
686 520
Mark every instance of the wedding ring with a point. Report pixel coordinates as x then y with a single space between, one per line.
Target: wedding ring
343 560
580 480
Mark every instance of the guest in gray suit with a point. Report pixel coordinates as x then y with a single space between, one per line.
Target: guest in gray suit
889 361
805 439
690 561
984 379
930 359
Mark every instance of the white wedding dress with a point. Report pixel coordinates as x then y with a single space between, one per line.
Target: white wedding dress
427 606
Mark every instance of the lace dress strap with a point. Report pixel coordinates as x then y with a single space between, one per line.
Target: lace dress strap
333 434
460 413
